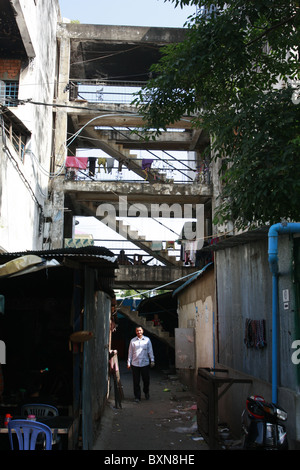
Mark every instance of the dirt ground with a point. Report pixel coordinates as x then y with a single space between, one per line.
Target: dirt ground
167 421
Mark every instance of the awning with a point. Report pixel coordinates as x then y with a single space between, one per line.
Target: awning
92 256
24 265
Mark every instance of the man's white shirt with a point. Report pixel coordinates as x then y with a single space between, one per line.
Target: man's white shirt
140 352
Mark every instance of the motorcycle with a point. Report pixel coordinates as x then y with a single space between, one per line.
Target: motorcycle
263 425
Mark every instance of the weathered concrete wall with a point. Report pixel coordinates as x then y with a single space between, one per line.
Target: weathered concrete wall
196 309
146 277
130 34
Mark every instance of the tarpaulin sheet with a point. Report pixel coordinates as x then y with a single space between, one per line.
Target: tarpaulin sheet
25 265
76 162
18 264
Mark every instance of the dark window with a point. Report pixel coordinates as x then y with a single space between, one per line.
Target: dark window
9 92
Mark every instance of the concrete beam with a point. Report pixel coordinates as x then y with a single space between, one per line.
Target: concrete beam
157 193
115 115
23 23
149 277
116 34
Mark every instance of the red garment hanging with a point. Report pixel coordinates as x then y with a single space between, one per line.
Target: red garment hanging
76 162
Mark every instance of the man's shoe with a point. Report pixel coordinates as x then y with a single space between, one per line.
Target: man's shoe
147 396
137 400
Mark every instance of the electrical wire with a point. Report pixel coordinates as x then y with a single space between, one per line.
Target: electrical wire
164 285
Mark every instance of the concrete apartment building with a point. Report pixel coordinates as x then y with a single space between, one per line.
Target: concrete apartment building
72 147
28 67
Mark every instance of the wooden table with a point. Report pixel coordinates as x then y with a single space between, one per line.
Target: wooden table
208 383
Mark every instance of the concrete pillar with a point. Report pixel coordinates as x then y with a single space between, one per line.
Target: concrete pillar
57 226
61 120
62 99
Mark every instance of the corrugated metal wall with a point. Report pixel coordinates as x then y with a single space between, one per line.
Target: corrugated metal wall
244 287
95 363
244 290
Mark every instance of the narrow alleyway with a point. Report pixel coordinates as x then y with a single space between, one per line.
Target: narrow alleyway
167 421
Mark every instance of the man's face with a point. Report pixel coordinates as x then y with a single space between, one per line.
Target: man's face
139 332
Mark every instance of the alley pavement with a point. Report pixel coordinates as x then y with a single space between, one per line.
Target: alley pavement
165 422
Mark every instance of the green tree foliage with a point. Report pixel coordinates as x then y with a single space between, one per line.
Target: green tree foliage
234 74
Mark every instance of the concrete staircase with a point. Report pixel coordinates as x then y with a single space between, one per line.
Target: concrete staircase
123 155
148 326
140 241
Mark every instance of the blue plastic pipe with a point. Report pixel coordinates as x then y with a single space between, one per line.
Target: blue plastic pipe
274 231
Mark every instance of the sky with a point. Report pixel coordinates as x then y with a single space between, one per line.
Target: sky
126 12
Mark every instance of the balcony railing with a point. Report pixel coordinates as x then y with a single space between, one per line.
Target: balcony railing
169 169
101 91
166 171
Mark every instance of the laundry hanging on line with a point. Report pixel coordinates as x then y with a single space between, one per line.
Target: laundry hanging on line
102 162
76 162
146 163
92 165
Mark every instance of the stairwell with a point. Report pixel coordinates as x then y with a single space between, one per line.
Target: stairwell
141 242
156 330
123 155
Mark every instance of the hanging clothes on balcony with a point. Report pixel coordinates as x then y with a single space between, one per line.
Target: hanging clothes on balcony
76 162
102 162
170 245
92 165
156 245
110 164
146 165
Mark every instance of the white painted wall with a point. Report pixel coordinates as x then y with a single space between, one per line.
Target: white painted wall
19 216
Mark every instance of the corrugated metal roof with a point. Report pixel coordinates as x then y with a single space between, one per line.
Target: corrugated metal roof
85 254
240 239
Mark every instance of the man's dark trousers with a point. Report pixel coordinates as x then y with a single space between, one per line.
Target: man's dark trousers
137 373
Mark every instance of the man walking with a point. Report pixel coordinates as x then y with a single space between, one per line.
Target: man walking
140 359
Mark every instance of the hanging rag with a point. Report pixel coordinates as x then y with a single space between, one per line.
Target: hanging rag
146 166
146 163
76 162
156 245
92 165
255 334
102 162
170 245
110 164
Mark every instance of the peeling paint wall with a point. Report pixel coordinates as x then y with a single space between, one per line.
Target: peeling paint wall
196 309
19 214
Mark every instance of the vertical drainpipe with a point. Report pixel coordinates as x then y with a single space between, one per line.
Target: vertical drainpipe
274 230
